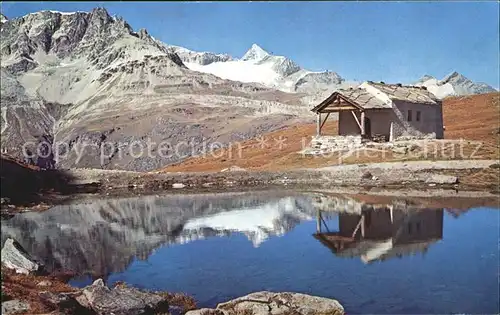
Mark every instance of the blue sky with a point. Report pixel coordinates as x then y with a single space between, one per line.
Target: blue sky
380 41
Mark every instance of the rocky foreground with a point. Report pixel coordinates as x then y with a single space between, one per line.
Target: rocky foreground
26 290
285 303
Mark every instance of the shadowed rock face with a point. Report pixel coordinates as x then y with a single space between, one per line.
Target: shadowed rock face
99 237
93 85
23 184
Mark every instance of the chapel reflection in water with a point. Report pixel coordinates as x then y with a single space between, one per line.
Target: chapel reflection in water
379 232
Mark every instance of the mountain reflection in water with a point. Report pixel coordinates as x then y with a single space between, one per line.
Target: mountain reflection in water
237 243
99 237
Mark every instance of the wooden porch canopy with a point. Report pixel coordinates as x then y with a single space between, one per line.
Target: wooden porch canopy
337 103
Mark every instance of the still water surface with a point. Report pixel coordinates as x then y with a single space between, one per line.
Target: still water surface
374 257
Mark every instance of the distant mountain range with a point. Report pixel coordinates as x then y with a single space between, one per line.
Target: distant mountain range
259 66
279 72
454 84
88 77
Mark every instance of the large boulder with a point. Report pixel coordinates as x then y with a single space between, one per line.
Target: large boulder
14 306
15 257
264 303
121 300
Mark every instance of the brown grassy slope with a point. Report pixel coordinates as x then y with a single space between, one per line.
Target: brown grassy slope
473 118
255 154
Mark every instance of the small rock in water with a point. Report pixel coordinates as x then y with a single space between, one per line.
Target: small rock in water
15 257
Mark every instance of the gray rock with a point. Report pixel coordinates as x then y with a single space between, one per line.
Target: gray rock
15 257
44 283
264 303
121 300
441 179
99 283
234 168
14 306
206 311
66 303
367 175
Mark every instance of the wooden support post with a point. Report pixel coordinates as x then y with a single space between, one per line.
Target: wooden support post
318 223
391 132
324 121
324 223
362 123
318 124
356 119
357 227
363 225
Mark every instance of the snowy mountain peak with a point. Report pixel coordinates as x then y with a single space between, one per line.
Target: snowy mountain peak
3 18
455 78
426 77
255 53
198 58
453 84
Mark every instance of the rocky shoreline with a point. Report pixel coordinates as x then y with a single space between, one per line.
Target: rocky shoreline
415 174
63 185
27 289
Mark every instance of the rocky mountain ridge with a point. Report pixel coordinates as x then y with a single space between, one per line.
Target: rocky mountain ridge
88 81
453 84
277 72
288 76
